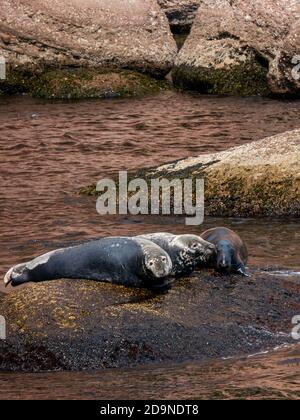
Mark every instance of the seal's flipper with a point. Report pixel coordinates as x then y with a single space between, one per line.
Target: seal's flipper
8 277
242 271
14 276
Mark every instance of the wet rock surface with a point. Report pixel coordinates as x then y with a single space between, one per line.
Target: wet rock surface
242 47
78 325
181 13
257 179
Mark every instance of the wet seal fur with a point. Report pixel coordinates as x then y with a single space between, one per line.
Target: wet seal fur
231 254
119 260
186 251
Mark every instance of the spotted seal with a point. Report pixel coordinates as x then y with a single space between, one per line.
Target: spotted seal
186 251
120 260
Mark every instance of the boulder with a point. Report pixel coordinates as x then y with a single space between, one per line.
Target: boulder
257 179
94 34
242 47
76 325
181 13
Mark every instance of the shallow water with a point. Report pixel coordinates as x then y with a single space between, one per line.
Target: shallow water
49 150
272 375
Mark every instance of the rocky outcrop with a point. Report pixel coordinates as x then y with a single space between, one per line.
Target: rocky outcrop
71 324
94 34
181 13
258 179
242 47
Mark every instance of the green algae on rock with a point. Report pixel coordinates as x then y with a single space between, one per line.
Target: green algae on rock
80 83
246 79
79 324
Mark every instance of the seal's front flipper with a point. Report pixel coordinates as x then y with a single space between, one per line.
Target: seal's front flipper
242 272
162 287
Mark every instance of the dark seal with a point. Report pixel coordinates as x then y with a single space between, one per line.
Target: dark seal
231 254
186 251
120 260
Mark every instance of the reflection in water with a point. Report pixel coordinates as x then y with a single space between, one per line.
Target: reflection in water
49 150
274 375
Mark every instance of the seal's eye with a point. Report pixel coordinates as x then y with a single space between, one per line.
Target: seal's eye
151 263
194 246
164 259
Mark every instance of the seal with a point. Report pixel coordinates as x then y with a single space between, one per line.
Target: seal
231 254
120 260
186 251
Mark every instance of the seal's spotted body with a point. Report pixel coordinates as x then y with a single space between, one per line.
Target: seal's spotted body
120 260
186 251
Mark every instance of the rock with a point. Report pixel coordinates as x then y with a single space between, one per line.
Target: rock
94 34
181 13
78 325
242 47
258 179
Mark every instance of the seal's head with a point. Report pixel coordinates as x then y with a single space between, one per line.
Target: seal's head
17 275
225 257
194 248
158 263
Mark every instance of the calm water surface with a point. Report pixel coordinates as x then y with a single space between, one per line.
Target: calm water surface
49 150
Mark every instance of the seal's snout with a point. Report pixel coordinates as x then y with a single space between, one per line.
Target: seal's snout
224 265
160 267
163 268
223 262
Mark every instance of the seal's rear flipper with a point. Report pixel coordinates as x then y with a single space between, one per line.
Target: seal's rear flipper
16 276
8 277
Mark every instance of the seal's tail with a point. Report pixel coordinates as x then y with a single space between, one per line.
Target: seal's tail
15 276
